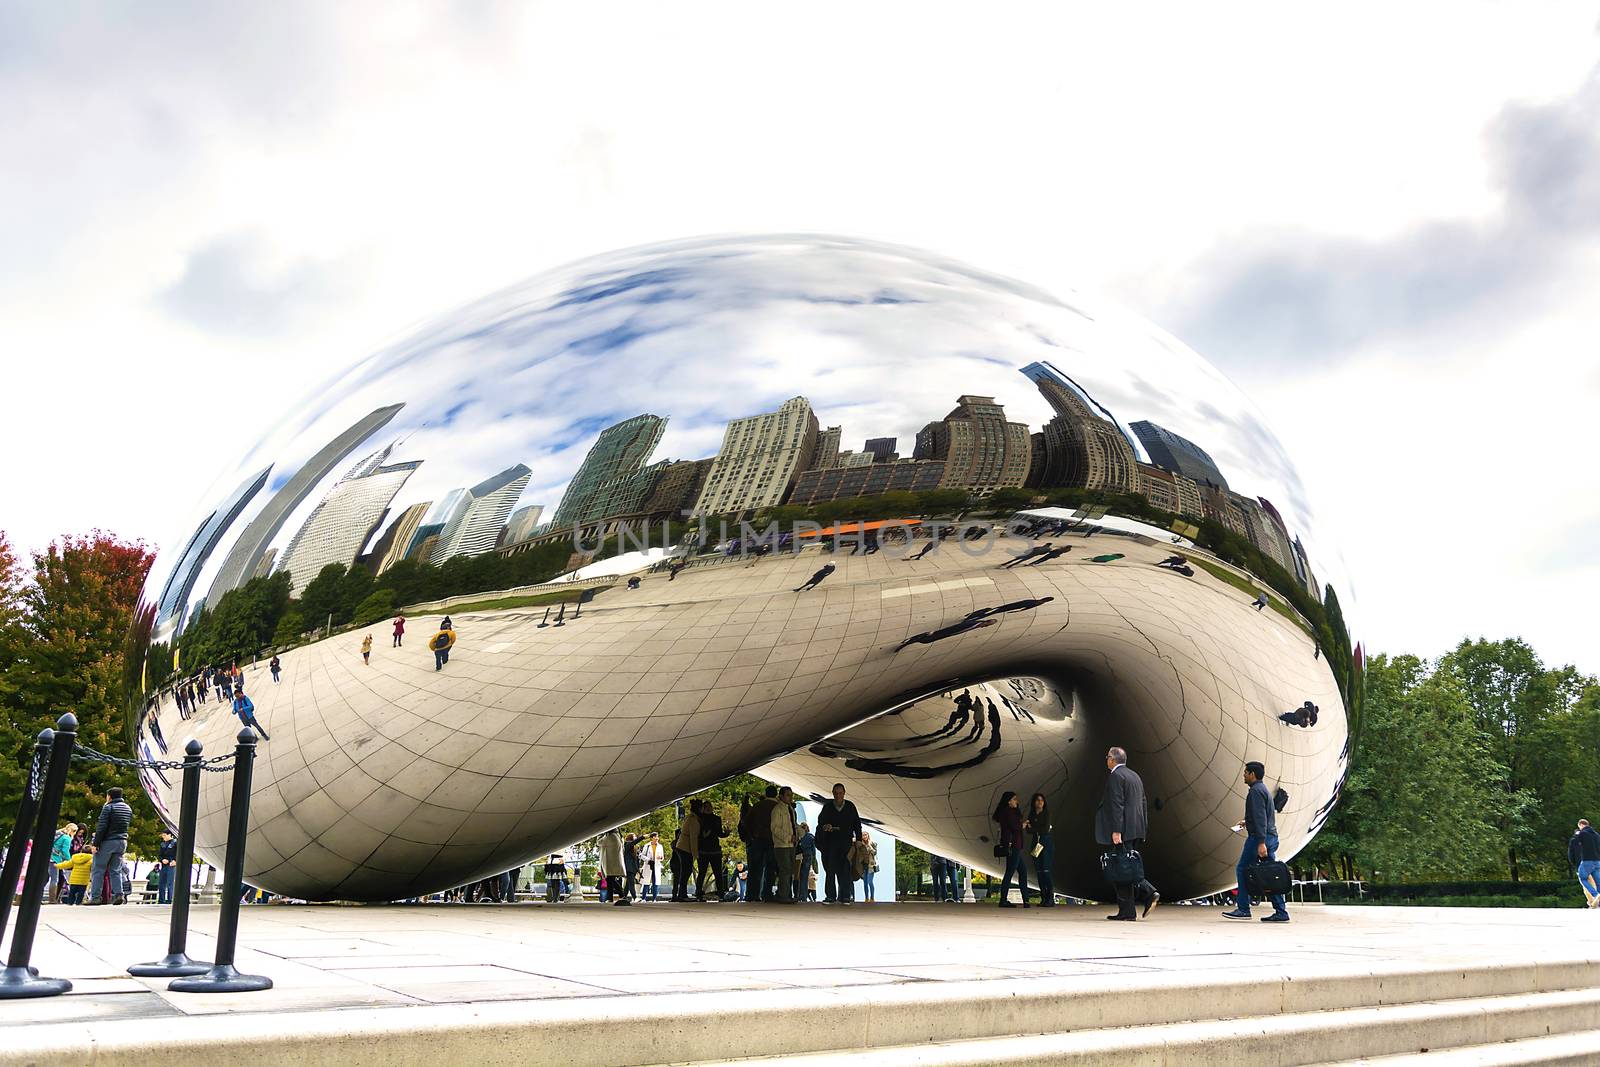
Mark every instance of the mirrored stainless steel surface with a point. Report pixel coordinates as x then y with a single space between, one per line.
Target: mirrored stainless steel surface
1048 522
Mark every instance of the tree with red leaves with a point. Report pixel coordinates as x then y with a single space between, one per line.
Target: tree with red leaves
63 635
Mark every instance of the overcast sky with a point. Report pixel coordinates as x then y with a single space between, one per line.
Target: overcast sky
1382 222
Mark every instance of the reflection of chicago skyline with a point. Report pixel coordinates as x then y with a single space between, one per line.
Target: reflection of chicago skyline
766 460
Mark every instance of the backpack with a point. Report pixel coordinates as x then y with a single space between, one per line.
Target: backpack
1280 799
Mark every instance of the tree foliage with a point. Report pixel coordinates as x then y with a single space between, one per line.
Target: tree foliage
1476 766
63 642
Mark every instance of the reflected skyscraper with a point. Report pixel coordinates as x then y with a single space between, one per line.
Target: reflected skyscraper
396 540
475 527
180 583
1083 446
827 454
982 452
523 522
257 536
344 521
1178 454
759 459
619 451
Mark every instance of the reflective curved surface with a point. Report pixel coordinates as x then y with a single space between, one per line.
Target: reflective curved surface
1048 524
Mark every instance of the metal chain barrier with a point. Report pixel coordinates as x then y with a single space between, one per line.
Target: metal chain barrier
36 775
85 754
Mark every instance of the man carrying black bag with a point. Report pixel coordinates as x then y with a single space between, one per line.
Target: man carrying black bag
1258 860
1121 823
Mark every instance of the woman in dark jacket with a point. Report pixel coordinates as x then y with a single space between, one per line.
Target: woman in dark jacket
1042 848
1009 816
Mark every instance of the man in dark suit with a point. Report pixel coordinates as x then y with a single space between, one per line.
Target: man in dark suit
1122 821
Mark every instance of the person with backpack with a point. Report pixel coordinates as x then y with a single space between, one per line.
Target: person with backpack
1260 843
275 666
441 643
245 708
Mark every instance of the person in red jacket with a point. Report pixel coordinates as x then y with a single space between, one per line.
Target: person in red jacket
399 629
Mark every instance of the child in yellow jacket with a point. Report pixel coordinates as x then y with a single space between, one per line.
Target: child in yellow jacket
77 867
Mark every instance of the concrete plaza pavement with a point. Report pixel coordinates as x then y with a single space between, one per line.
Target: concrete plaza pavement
345 968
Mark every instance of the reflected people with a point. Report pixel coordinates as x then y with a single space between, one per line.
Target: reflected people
861 472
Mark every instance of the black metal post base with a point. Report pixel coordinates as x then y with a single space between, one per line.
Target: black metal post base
177 965
223 978
19 982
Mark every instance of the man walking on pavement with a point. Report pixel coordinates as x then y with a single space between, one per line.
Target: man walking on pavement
1122 821
1260 843
1583 849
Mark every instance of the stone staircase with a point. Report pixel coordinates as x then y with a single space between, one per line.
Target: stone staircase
1543 1013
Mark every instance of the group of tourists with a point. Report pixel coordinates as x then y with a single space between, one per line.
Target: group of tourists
783 855
1121 827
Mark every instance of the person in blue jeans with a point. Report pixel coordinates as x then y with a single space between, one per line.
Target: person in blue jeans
1043 849
1260 843
1584 851
167 867
1009 816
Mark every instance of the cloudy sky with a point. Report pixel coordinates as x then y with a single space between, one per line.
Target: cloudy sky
1381 222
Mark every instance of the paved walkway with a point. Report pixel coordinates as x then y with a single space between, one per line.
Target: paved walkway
327 957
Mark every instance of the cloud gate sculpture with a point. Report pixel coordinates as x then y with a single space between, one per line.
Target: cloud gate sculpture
851 512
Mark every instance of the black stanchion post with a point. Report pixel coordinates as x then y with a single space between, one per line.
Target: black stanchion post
546 620
224 977
561 616
177 962
11 873
18 979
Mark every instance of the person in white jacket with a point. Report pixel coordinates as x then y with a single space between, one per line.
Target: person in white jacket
652 858
784 836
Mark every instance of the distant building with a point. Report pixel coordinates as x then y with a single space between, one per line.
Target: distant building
423 552
1170 492
253 542
870 479
619 451
827 454
847 458
760 458
1178 454
1278 532
981 451
677 488
264 568
397 540
180 583
1083 446
342 523
1303 570
882 449
475 528
522 523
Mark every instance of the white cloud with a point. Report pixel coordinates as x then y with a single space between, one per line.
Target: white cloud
395 161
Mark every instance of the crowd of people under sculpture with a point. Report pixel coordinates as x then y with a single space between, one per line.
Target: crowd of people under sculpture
784 855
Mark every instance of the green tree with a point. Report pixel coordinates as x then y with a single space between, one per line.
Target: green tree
378 605
1426 798
290 628
62 649
320 599
1009 499
1514 699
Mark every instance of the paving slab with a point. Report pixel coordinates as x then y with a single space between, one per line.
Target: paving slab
365 960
